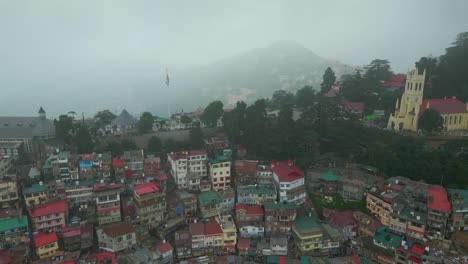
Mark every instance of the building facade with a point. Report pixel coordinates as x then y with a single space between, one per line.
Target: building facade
150 204
107 197
116 237
290 182
48 217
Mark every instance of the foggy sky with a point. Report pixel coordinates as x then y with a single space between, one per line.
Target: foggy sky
58 54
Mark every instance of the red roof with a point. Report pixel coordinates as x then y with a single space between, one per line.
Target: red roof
145 188
197 152
212 228
246 167
353 106
198 112
197 229
287 173
395 80
163 247
340 219
103 257
444 106
244 242
185 154
249 209
414 259
417 250
117 162
437 199
42 239
162 177
55 207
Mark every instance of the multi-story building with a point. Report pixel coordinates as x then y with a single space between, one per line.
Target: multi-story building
380 205
438 212
5 165
13 150
46 245
152 166
64 166
107 197
387 240
79 193
329 183
256 194
405 221
118 166
228 198
116 237
409 253
250 220
229 233
289 181
220 171
165 251
246 171
150 204
49 216
213 237
13 229
71 237
8 192
134 160
197 234
459 201
307 234
249 213
183 243
367 224
209 204
279 217
35 194
188 168
264 174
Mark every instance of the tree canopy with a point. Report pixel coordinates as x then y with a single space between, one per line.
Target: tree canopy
212 113
83 141
104 117
450 76
279 98
196 137
185 119
305 97
145 125
430 121
154 145
329 79
63 127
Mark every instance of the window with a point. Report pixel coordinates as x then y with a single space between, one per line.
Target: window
214 173
450 120
227 172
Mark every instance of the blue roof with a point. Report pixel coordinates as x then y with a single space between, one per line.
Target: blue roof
86 163
34 189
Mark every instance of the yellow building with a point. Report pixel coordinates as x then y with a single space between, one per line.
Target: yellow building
411 105
229 233
46 245
307 234
380 205
35 194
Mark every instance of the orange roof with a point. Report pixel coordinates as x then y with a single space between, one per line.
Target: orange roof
437 199
55 207
163 247
145 188
42 239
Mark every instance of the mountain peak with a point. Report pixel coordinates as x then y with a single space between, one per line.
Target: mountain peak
286 44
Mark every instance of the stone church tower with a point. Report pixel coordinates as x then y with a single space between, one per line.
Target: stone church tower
406 114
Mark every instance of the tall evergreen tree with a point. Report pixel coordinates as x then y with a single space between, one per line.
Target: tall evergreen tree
145 125
212 113
329 79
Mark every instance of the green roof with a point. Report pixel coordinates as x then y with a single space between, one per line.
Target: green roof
387 239
372 117
13 223
64 155
279 206
306 222
259 189
81 183
209 198
34 189
47 165
458 198
329 176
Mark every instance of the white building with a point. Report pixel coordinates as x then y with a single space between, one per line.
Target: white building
188 167
8 192
290 182
116 236
220 172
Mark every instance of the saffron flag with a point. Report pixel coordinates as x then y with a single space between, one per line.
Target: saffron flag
167 78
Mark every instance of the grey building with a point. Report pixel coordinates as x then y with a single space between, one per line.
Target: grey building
22 130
